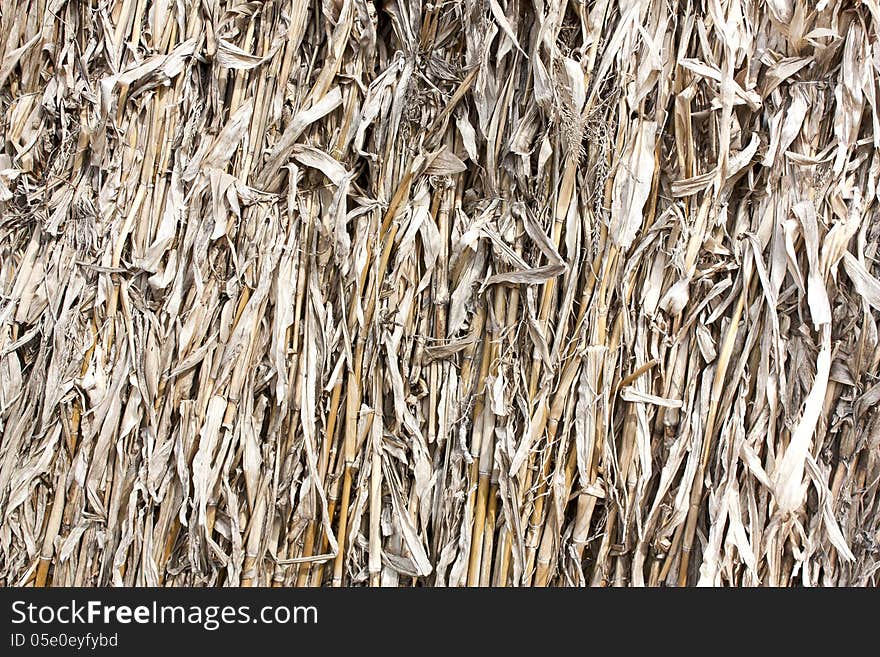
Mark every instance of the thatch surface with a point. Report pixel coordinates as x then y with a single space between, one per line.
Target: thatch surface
403 293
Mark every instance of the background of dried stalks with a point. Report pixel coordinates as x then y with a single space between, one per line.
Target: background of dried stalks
423 294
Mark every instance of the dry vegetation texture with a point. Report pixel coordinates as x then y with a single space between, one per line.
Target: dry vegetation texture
509 292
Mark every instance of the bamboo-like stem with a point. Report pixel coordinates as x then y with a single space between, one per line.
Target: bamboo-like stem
708 435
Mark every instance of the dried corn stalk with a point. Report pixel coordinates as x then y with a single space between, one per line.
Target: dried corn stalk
469 293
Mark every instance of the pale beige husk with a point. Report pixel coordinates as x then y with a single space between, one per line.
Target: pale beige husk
509 293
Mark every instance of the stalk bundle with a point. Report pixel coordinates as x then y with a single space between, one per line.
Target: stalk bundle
439 294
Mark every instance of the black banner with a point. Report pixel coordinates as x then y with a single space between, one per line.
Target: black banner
83 621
